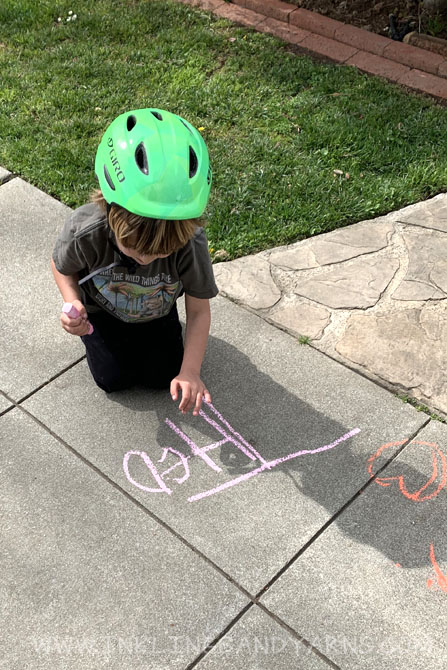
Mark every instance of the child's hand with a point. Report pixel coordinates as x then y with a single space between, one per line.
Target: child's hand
80 325
193 390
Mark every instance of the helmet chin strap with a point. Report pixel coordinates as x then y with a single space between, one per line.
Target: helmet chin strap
129 263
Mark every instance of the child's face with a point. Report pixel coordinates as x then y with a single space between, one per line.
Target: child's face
140 258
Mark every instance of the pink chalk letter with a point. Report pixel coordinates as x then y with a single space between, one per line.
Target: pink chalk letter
229 435
151 467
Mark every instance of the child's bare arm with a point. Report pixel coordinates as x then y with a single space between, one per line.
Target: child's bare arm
198 321
188 381
67 284
69 289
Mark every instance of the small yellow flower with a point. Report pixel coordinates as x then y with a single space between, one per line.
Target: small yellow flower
201 128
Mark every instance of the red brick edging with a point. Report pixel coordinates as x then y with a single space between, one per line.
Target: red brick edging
405 64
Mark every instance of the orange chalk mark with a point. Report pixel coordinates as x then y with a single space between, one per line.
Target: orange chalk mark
377 454
417 495
441 578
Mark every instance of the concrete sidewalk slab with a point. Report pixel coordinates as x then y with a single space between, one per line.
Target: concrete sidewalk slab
280 399
29 224
88 578
126 500
4 403
257 641
370 592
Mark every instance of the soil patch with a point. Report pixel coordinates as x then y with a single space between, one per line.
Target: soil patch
374 15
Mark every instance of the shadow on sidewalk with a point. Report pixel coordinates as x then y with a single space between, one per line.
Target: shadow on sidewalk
276 423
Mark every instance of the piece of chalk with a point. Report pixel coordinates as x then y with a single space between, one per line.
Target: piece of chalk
71 311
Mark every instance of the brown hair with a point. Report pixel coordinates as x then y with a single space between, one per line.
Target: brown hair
145 235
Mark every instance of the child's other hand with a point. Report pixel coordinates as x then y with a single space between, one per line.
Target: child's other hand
193 391
80 325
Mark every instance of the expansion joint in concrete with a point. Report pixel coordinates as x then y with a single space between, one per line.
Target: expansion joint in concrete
59 374
7 178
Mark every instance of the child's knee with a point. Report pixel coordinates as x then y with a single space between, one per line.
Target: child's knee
113 385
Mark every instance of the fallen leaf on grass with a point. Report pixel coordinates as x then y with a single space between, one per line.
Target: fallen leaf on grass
221 255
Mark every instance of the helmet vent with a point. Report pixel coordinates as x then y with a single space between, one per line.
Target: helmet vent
193 162
157 115
108 178
186 125
131 122
141 158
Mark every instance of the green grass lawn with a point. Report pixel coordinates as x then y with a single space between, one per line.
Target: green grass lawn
277 125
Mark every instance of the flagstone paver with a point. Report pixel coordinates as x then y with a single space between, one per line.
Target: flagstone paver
340 245
372 295
426 277
407 348
356 284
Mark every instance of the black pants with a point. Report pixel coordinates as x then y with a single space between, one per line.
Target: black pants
121 354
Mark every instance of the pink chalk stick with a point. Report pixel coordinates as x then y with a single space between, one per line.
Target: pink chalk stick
71 311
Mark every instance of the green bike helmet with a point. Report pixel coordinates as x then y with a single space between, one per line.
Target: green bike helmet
154 164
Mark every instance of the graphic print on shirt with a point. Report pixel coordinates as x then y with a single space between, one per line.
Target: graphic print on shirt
136 298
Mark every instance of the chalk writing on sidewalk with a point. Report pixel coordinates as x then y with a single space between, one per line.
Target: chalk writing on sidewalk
428 491
432 487
228 436
440 578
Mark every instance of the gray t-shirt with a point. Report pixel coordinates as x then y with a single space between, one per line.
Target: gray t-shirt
84 247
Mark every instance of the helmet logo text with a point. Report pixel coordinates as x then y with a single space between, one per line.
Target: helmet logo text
116 166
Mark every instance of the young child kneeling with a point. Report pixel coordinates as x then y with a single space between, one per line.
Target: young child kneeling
124 259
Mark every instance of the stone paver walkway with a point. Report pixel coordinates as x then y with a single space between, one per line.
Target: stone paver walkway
372 296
